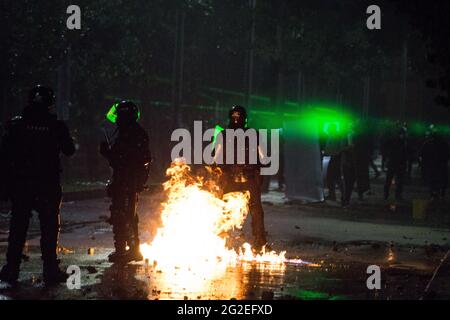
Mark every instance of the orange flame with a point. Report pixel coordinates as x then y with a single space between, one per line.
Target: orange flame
194 221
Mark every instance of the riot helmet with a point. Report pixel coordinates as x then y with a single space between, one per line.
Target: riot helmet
41 97
237 117
124 113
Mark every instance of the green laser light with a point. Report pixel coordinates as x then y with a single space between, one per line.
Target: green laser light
111 115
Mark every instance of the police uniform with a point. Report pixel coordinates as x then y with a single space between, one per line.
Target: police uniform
245 177
30 151
129 157
435 155
397 150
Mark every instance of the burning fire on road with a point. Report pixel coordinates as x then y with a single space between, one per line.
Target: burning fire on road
196 220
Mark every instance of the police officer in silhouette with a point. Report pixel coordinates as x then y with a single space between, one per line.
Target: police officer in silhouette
435 155
129 157
244 176
397 150
30 165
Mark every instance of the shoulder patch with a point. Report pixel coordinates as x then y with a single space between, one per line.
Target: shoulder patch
13 122
16 118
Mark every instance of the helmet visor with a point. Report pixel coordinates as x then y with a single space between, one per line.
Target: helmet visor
111 115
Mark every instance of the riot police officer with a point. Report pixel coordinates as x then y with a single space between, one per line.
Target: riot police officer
30 151
129 157
244 176
397 151
334 148
435 155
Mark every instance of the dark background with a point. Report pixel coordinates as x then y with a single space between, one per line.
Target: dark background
189 60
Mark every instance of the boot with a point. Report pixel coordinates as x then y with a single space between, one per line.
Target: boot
119 245
9 274
259 242
134 254
53 275
125 257
116 256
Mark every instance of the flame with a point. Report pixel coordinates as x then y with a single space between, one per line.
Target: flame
195 224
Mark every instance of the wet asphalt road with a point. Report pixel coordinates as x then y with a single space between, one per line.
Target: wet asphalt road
340 246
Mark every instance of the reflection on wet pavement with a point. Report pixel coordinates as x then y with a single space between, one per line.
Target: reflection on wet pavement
232 282
333 278
245 280
340 274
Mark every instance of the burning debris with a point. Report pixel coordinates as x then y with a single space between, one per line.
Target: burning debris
195 220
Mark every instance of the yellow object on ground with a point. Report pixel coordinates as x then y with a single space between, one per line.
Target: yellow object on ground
420 209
